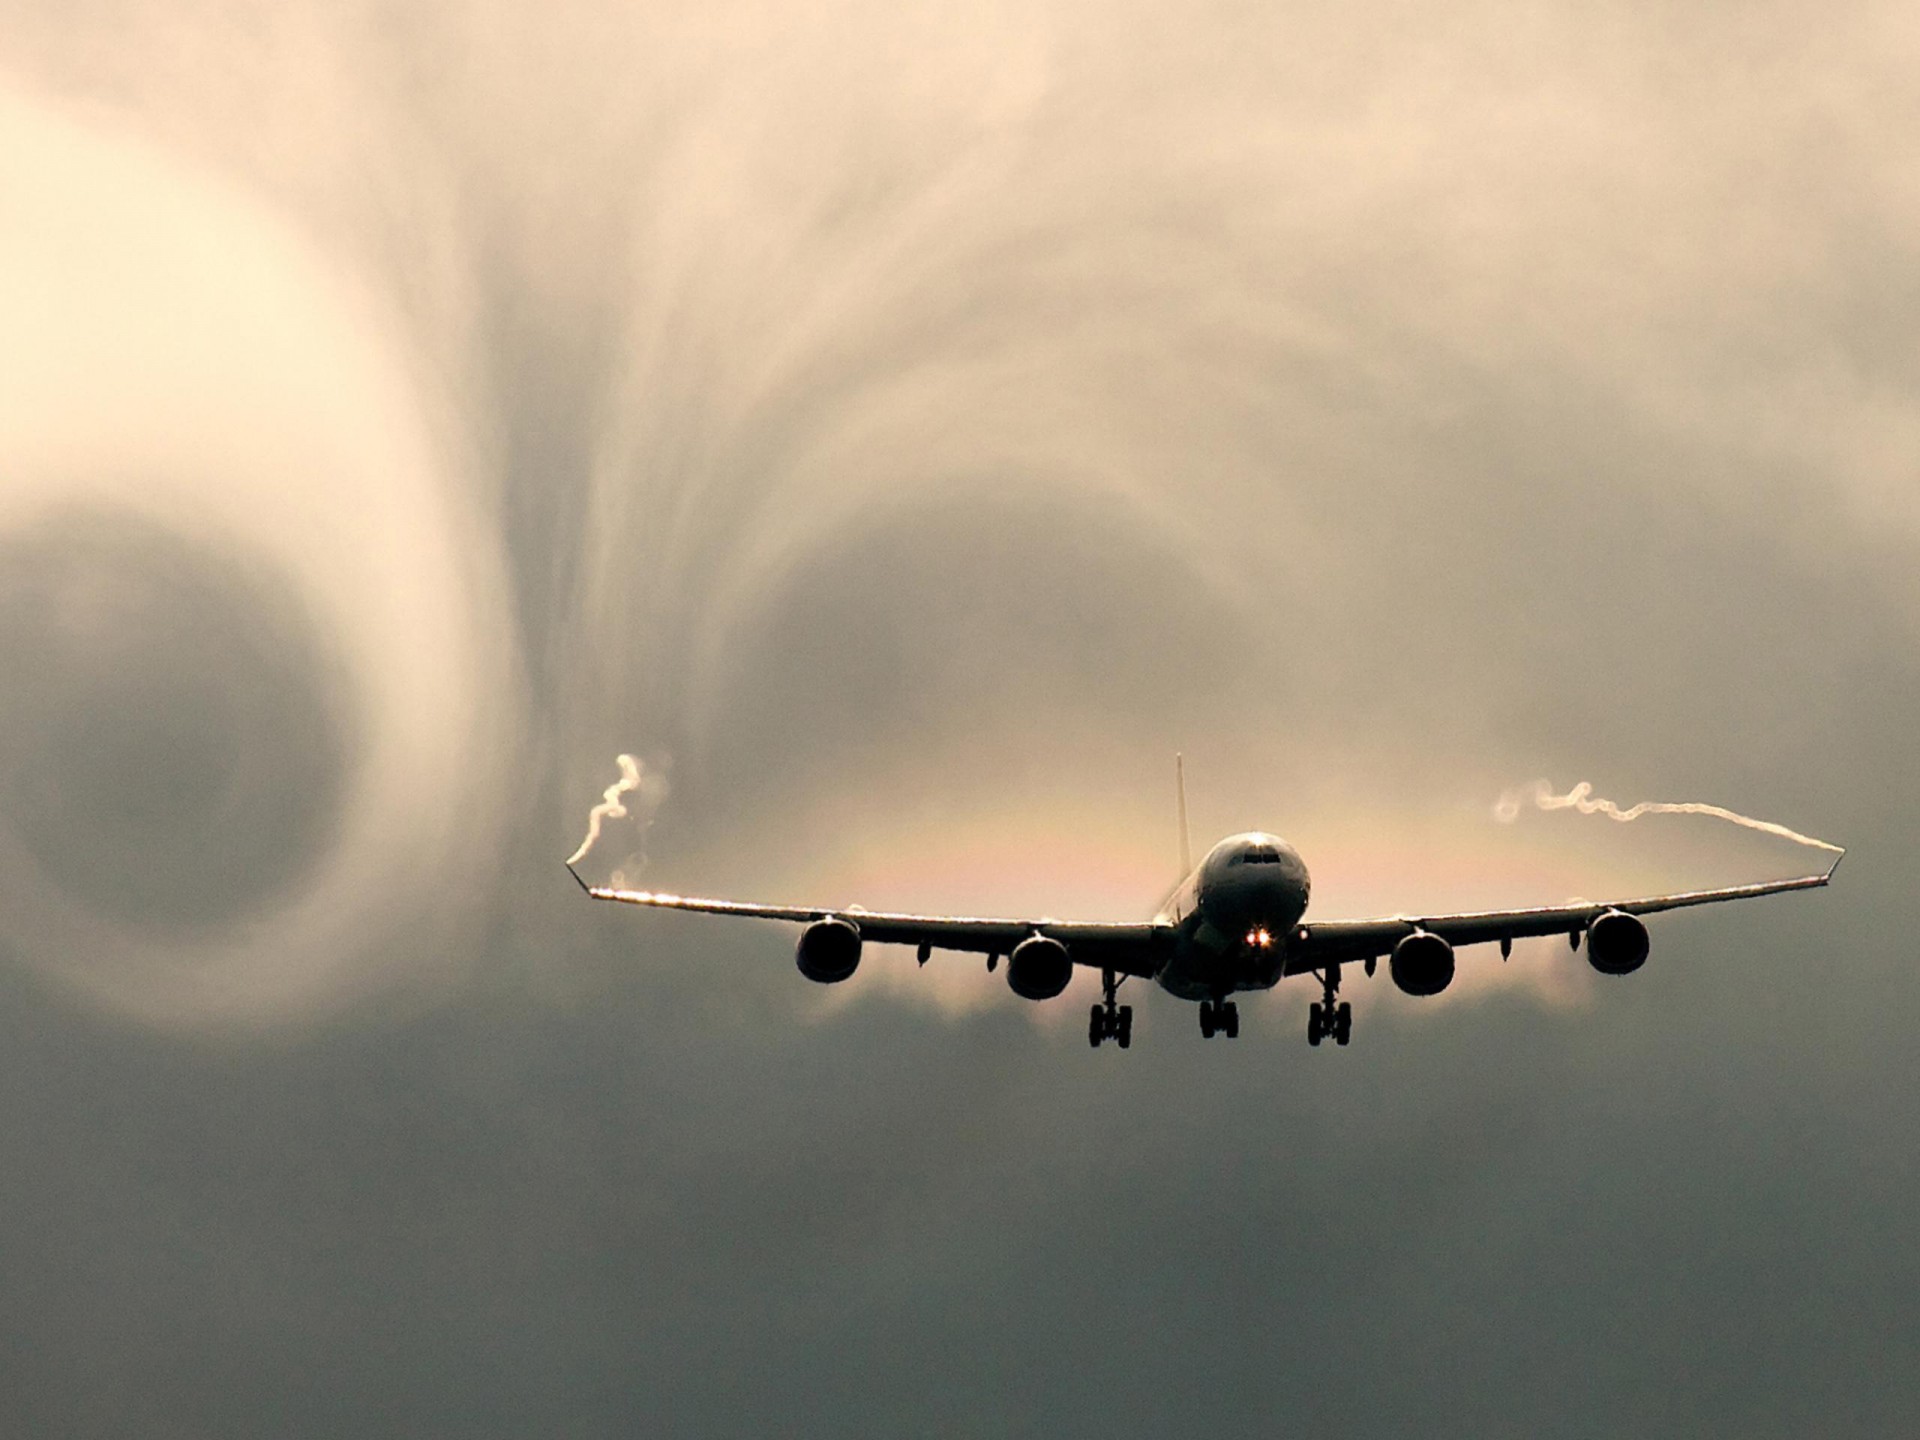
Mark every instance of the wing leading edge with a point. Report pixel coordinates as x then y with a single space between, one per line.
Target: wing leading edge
1131 949
1326 942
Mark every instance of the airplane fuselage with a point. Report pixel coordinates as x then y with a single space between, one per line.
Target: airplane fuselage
1232 918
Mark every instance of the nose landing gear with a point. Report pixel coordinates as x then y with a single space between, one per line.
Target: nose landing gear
1219 1017
1109 1020
1326 1016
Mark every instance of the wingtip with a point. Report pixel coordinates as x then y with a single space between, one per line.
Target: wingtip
576 878
1836 862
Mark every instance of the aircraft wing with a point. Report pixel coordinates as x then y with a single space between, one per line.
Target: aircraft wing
1327 942
1130 949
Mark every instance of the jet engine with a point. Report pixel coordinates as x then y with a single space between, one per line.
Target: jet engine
828 952
1422 964
1039 968
1617 943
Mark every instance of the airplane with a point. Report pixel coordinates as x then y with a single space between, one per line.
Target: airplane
1235 923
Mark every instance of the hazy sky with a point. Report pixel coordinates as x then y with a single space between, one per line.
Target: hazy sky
904 428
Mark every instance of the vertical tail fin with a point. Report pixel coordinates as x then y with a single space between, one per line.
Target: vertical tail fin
1180 790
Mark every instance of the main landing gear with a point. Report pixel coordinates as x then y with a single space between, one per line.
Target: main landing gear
1325 1017
1110 1021
1219 1017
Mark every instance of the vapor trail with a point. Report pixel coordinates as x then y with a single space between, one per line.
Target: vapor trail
1580 798
610 807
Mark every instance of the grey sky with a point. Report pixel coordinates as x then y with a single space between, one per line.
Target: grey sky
904 428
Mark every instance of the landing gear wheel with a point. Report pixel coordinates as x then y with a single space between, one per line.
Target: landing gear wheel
1230 1018
1207 1021
1328 1016
1108 1020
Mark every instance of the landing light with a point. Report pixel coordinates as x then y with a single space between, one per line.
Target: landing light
1260 939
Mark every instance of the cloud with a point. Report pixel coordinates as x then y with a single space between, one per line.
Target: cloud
182 366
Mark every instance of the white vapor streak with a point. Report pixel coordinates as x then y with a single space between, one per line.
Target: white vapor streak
1581 798
610 806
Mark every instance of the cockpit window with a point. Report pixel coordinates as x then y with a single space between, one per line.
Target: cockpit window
1260 857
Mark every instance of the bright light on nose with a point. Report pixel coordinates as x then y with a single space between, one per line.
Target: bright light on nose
1259 939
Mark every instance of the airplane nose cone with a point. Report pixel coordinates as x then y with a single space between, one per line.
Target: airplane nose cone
1252 885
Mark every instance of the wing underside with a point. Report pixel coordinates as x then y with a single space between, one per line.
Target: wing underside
1328 942
1143 948
1131 949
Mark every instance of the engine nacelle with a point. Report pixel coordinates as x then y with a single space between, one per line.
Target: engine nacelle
1617 943
828 952
1422 964
1039 968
